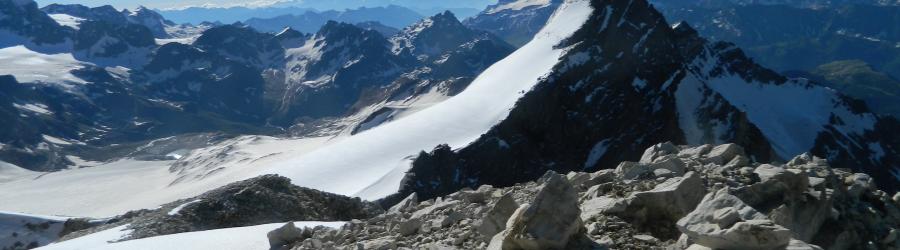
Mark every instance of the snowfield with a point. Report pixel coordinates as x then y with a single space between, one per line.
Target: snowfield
518 5
67 20
239 238
31 66
370 164
110 189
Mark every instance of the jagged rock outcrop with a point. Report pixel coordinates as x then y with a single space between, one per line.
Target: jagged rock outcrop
723 201
261 200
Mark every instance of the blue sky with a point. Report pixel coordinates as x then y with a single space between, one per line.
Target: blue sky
168 4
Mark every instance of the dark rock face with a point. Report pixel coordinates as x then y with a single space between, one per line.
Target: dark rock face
342 61
103 39
450 56
610 98
787 38
516 27
106 13
242 44
261 200
385 30
23 18
391 17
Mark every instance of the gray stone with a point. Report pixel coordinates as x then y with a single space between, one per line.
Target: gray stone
407 205
496 218
284 235
753 230
410 226
671 199
657 151
858 183
602 205
723 153
549 222
632 170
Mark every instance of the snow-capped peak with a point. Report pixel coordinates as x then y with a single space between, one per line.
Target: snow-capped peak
517 5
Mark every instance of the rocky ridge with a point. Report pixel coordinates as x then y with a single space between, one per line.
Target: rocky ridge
675 197
261 200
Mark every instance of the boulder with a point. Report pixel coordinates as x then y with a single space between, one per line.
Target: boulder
669 200
723 153
632 170
658 150
602 205
723 221
549 222
287 234
407 205
858 183
496 218
410 226
695 152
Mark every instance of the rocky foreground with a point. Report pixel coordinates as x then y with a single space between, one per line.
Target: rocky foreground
706 197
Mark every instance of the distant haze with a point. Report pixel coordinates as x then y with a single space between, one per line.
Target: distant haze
316 4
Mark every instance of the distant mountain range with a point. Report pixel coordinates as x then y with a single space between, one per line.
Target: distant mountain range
198 15
122 83
310 21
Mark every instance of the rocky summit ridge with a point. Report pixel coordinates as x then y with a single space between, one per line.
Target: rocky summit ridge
675 197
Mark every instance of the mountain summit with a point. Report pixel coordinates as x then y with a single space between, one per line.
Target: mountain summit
629 80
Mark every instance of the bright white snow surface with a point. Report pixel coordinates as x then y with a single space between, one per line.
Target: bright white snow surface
518 5
239 238
370 164
30 66
14 227
9 172
67 20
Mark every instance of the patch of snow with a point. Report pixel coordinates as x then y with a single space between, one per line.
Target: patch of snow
791 124
82 163
30 66
67 20
92 241
238 238
688 98
519 5
178 209
38 108
596 153
55 140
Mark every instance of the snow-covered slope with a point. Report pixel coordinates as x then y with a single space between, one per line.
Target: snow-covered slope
632 80
517 5
31 66
239 238
25 231
114 188
369 164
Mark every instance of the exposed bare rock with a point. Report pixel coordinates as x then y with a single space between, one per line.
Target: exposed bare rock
548 222
718 199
